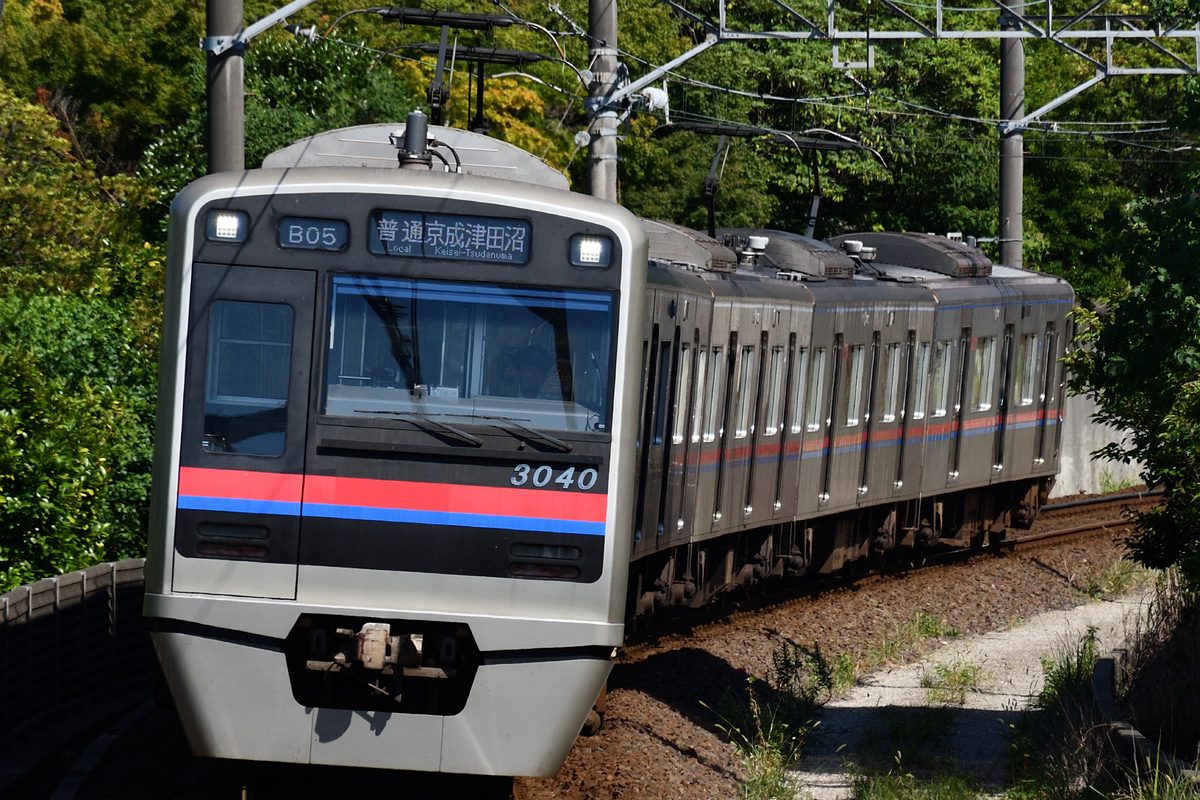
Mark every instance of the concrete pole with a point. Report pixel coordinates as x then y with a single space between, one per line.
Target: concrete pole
225 90
1012 144
602 149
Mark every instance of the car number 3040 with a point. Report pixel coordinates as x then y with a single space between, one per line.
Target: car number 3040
544 475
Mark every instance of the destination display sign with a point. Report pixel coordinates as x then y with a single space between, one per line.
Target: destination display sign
458 238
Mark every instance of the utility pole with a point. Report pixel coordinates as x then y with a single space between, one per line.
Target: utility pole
225 89
1012 141
602 145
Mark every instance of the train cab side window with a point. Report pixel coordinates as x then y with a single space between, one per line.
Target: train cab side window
816 391
921 381
940 382
778 374
983 373
1027 367
852 409
246 382
800 387
712 394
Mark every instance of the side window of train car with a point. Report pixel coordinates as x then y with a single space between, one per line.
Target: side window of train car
800 387
246 381
940 383
816 391
745 392
921 381
983 373
852 408
683 387
891 381
712 398
777 378
1027 367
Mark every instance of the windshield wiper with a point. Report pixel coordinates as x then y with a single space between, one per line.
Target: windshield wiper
440 427
537 436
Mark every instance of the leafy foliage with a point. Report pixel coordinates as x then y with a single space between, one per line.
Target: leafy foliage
79 313
75 439
293 89
114 70
1142 366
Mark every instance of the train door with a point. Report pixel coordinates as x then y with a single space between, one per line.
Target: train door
712 370
1050 407
854 357
769 431
941 432
746 353
241 459
978 414
817 387
787 496
1006 424
653 436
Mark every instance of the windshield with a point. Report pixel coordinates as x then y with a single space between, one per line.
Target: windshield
464 353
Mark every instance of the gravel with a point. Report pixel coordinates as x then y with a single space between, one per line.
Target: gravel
662 737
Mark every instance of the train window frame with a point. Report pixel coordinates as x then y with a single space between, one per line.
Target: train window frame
272 353
1028 353
891 382
921 397
683 385
799 390
744 399
815 391
983 373
852 415
713 393
701 395
479 361
777 374
943 355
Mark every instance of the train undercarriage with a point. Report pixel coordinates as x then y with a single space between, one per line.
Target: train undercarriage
700 573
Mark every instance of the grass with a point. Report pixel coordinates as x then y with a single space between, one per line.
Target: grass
948 684
903 786
771 724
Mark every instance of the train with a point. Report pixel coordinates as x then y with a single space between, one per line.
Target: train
433 429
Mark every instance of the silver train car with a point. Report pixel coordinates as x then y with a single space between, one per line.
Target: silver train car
429 438
809 405
377 541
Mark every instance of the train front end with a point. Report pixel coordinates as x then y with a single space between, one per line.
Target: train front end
395 462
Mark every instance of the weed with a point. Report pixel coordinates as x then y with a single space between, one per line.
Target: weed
1109 484
948 684
903 786
1069 675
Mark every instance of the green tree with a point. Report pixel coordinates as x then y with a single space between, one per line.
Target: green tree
111 71
293 89
80 304
1142 366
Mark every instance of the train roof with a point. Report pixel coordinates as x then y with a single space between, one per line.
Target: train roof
371 146
923 251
